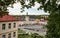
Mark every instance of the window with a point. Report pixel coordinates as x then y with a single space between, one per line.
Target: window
3 26
14 34
9 26
3 36
9 35
14 25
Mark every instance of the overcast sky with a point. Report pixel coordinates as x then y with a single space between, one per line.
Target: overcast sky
32 11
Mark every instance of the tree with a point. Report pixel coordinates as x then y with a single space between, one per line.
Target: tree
3 6
51 6
35 35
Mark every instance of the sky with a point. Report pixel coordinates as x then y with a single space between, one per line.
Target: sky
31 11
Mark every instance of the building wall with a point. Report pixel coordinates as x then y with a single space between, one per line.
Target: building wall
11 35
7 30
27 18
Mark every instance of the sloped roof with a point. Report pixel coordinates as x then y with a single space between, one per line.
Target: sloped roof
8 18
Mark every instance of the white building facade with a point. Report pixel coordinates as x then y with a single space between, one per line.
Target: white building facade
8 27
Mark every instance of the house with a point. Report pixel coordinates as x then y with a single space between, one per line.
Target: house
8 27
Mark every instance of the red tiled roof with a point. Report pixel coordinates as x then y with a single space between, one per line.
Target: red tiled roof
8 18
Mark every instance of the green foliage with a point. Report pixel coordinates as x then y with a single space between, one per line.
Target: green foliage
3 6
35 35
53 26
29 36
2 13
21 31
24 36
5 3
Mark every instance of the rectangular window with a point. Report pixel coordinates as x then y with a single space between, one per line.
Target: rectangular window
14 25
3 36
9 35
3 26
14 34
9 26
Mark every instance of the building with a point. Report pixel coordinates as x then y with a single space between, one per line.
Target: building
30 17
8 27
